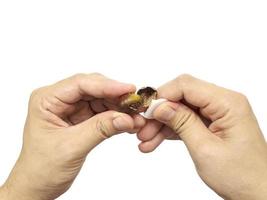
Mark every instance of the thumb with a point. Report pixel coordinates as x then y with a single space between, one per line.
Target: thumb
100 127
185 122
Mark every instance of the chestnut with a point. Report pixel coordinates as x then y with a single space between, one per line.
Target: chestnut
136 103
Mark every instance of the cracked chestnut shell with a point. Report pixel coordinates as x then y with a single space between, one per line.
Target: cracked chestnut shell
136 103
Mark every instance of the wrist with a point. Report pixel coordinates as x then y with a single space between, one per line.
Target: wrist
3 193
12 192
259 192
19 185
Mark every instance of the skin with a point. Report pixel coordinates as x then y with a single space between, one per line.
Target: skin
220 132
68 119
65 122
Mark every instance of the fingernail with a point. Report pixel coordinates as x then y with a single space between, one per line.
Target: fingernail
120 123
165 113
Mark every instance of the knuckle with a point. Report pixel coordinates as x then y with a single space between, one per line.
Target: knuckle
78 76
183 80
96 74
102 129
238 101
35 95
35 92
235 97
183 120
241 97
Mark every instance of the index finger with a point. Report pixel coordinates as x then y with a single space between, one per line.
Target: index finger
213 101
87 86
62 97
195 91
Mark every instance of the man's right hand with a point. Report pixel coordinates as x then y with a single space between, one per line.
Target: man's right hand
220 131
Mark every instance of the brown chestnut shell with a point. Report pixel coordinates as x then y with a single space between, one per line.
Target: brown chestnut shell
136 103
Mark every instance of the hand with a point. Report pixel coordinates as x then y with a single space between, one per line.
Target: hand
65 122
220 131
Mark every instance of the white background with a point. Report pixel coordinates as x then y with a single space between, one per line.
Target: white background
142 42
